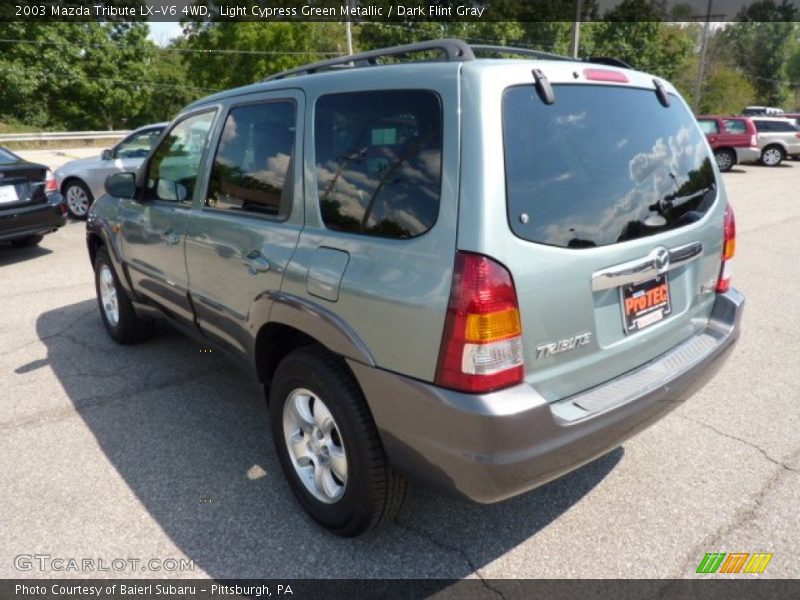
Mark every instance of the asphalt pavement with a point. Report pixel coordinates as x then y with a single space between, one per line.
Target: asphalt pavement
162 451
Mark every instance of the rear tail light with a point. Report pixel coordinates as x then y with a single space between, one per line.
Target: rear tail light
728 250
482 342
754 140
797 135
50 184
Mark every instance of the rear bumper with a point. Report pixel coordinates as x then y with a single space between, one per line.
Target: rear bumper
32 220
749 154
490 447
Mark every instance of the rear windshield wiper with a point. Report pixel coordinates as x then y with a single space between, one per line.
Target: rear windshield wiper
543 87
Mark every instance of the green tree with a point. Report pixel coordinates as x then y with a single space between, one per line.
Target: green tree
261 49
793 73
76 75
758 42
726 92
634 31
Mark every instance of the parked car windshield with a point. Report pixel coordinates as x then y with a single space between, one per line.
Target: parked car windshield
602 165
138 145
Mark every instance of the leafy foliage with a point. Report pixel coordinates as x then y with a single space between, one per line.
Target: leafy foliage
758 42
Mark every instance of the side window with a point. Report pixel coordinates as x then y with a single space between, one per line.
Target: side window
252 169
763 126
784 126
378 160
735 126
172 172
708 126
137 145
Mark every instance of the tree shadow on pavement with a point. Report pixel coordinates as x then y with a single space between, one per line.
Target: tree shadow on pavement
188 432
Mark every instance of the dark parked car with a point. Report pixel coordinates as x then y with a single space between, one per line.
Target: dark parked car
30 203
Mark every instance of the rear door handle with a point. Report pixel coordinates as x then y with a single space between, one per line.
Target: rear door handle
256 263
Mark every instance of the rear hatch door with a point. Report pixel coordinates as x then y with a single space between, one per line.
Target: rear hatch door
611 224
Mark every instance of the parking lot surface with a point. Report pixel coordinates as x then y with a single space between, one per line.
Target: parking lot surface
162 450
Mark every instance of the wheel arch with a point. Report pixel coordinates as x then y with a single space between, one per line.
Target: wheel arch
295 322
726 149
69 179
776 144
93 243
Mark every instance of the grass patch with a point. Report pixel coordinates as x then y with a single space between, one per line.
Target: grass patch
16 127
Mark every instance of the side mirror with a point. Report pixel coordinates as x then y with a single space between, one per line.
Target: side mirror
106 154
121 185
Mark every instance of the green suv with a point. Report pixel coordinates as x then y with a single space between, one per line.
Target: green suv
476 273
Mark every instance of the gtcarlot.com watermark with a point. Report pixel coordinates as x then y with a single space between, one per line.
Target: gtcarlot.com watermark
49 563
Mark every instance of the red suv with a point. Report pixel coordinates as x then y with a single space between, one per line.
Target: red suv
733 139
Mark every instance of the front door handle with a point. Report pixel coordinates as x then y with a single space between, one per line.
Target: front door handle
256 263
171 238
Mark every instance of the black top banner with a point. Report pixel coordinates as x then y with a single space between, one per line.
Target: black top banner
401 11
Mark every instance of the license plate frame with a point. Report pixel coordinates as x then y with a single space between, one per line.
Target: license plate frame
8 194
645 303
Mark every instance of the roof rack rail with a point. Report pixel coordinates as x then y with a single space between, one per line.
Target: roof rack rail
518 51
607 60
451 50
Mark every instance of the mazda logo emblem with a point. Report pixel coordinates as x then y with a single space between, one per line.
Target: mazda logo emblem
660 259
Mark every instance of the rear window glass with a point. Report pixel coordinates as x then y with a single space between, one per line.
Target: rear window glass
734 126
378 158
602 165
708 126
253 168
775 126
7 157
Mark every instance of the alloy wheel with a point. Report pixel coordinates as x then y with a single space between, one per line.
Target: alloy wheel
315 445
108 295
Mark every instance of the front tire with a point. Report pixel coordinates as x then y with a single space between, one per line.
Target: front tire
79 198
28 241
328 445
772 156
725 159
118 315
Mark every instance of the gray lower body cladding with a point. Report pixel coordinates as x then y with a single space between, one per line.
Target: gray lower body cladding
489 447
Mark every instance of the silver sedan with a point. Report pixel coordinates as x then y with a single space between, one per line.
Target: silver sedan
81 181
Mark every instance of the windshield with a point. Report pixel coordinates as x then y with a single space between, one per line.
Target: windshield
602 165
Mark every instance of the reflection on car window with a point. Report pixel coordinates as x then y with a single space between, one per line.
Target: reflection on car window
602 165
378 157
138 145
7 157
173 170
253 165
708 126
735 126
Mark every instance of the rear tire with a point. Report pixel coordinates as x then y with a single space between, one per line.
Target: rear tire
28 241
772 156
79 199
118 315
328 445
726 159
